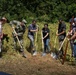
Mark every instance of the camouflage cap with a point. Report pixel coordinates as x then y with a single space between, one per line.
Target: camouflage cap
24 21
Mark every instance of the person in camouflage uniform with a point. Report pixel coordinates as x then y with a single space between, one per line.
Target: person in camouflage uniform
20 30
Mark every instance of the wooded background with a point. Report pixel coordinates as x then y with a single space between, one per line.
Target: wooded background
43 10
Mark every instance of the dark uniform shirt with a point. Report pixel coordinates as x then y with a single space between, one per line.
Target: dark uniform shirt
61 28
45 31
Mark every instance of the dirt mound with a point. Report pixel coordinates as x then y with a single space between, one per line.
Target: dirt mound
35 65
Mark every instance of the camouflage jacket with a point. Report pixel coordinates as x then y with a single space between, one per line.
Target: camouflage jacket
19 27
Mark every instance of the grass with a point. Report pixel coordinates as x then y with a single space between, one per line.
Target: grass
53 28
13 63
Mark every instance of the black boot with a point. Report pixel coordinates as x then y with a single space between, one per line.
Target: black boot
23 54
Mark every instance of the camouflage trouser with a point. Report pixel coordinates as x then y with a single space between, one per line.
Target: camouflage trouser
15 42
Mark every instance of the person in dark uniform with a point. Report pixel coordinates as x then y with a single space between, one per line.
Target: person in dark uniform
61 35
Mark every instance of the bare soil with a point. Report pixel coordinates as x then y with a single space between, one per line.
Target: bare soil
35 65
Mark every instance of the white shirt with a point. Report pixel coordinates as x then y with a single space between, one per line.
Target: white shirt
0 27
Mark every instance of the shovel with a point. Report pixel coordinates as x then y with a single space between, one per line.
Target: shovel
16 36
53 54
63 60
42 41
35 46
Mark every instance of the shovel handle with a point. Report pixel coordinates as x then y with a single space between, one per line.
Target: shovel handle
65 52
16 36
42 40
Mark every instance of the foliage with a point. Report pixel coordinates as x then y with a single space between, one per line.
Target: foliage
52 9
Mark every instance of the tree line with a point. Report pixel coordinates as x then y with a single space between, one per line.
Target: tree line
43 10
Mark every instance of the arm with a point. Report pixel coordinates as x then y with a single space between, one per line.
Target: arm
19 34
33 30
63 30
45 35
1 33
61 33
73 37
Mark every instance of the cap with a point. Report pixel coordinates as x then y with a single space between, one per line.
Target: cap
3 18
24 21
